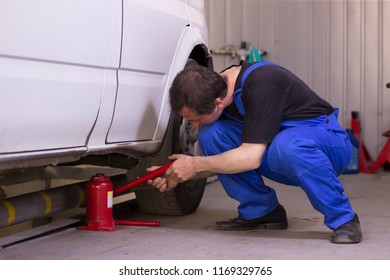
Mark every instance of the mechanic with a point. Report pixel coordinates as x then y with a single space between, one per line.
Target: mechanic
259 119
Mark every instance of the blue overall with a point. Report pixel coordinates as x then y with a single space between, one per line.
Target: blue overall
307 153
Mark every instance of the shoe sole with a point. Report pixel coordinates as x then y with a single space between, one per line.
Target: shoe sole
270 226
346 241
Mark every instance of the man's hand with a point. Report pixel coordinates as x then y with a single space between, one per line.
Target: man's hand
183 169
163 183
180 171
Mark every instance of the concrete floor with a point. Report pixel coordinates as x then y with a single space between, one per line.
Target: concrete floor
194 237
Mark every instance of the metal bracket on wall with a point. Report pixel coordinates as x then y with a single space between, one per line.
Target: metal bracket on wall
244 52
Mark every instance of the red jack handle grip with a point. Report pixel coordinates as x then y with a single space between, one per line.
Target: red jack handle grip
144 178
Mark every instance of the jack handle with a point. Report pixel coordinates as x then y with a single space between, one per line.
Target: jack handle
144 178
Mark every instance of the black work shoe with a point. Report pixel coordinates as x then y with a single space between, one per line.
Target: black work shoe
275 220
347 233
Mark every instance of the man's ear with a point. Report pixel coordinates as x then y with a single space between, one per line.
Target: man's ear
218 103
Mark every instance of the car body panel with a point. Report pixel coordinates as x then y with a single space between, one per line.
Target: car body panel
47 106
90 77
144 65
56 63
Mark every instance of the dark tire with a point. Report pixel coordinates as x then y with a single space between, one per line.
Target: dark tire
185 198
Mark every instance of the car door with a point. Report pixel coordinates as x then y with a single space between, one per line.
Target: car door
57 60
151 32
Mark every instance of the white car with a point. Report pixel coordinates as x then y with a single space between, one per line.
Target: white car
87 82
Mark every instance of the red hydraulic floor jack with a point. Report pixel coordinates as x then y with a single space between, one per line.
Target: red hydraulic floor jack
100 194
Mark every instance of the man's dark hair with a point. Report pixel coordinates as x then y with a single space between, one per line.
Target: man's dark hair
197 87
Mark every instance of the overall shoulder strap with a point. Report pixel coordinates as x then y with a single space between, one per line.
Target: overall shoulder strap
237 94
253 67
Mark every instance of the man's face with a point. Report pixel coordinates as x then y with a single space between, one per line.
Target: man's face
195 119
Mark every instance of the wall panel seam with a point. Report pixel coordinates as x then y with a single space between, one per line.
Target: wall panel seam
362 58
345 60
327 51
380 123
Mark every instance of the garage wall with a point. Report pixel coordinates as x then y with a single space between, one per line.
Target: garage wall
340 48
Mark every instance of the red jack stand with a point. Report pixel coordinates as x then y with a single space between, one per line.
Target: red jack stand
365 160
384 155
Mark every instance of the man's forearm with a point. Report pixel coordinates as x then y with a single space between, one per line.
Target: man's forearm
246 157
